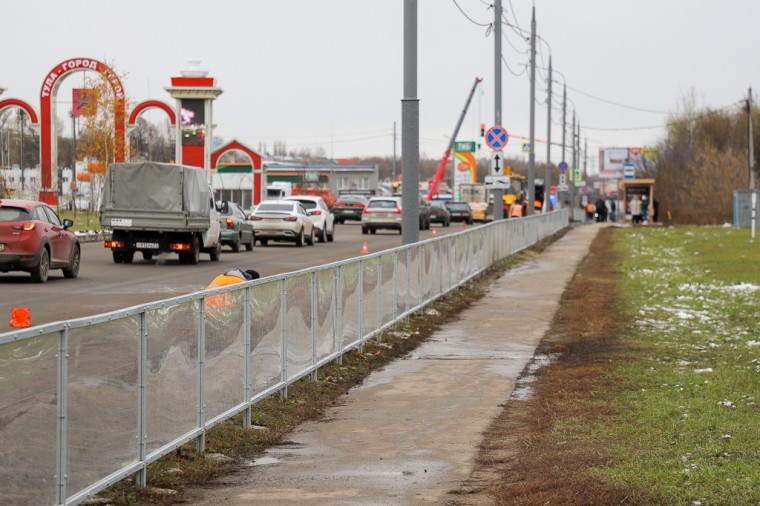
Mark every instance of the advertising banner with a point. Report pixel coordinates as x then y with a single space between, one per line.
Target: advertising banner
464 170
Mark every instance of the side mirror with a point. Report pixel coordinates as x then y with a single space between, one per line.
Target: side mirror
68 223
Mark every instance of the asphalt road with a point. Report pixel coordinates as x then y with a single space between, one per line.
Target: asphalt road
104 286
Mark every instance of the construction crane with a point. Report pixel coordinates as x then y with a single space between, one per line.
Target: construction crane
441 172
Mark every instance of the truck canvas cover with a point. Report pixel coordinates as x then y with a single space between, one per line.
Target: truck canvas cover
158 187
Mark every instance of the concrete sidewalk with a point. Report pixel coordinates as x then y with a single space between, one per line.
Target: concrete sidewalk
410 433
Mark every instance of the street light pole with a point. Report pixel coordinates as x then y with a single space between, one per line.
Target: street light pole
21 115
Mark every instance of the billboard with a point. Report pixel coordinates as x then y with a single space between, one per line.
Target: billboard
193 121
614 159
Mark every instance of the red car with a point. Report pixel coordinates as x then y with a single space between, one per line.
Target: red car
33 239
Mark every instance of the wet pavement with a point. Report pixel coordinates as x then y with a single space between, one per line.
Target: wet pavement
410 433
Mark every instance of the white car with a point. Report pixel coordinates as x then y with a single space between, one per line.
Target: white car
382 212
321 216
281 220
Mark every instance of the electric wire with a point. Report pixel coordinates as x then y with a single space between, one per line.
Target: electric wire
468 17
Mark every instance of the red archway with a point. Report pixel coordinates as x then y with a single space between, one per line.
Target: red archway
143 106
13 102
48 146
234 145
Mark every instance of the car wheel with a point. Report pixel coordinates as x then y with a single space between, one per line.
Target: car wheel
72 270
117 257
127 257
300 238
235 245
323 234
147 255
194 255
264 242
41 271
216 253
365 230
310 238
331 235
373 231
249 245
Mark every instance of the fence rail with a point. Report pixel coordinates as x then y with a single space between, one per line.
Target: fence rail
85 403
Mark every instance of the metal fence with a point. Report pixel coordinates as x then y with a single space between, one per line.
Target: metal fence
85 403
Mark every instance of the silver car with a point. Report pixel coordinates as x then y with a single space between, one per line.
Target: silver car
282 220
320 214
382 212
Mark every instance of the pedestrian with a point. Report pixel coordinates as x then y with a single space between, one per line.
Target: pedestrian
516 209
601 210
613 209
644 209
636 210
589 212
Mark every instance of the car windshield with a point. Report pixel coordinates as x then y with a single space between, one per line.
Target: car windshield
14 214
384 204
351 200
277 207
438 203
459 206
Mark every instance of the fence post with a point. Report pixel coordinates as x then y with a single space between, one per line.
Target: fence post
395 285
360 318
284 336
339 323
313 298
247 353
379 288
201 440
142 409
62 408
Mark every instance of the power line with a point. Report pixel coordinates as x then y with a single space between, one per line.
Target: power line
468 17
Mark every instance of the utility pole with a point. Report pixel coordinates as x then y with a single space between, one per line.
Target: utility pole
410 131
21 115
393 174
573 166
548 170
532 154
751 142
564 128
498 195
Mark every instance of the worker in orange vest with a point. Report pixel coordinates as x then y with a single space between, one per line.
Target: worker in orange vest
230 277
516 209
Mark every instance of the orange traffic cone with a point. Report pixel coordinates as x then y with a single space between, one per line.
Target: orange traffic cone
365 250
20 317
435 234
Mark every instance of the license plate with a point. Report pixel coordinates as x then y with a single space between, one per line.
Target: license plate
146 245
121 222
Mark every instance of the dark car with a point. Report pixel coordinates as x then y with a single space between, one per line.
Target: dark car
424 214
33 239
234 227
439 213
349 207
460 211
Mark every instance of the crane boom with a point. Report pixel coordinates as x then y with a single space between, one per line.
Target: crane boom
441 172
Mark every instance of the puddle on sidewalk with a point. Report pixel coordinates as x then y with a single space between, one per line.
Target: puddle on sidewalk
523 388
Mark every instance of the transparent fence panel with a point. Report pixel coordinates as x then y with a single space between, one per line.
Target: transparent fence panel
172 373
102 400
413 271
370 290
266 344
388 293
327 309
350 303
402 282
298 324
28 378
431 276
224 372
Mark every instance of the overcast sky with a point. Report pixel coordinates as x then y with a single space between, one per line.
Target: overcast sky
329 73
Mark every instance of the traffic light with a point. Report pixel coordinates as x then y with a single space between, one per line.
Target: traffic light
482 129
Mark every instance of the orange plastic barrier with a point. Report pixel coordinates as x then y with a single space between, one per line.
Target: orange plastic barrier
21 317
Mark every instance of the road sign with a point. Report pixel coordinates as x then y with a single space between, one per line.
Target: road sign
629 171
562 166
464 147
497 182
526 147
563 187
563 179
497 163
496 138
577 176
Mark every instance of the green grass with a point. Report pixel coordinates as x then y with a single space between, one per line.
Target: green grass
83 220
687 422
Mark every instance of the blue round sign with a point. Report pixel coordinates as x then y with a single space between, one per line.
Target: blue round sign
496 138
562 166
